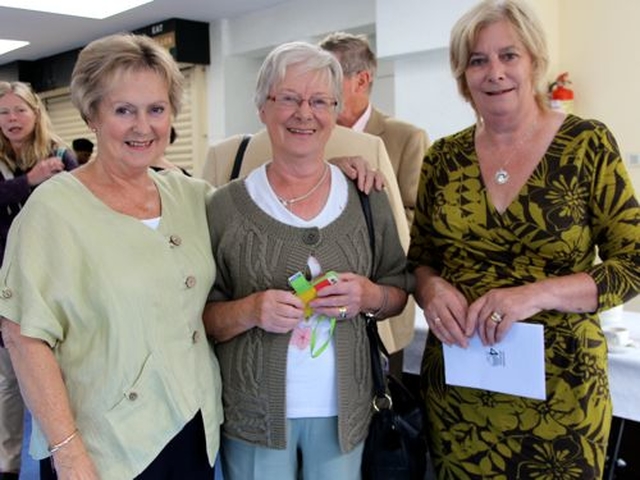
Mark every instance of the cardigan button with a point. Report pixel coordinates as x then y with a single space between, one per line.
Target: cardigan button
7 293
190 281
195 337
175 240
311 236
133 396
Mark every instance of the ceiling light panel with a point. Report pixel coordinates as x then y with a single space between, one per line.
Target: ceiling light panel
10 45
97 10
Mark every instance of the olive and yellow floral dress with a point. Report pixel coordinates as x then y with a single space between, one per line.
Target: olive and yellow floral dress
578 198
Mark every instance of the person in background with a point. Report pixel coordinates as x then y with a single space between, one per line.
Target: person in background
104 284
542 192
296 374
162 163
30 153
83 147
405 143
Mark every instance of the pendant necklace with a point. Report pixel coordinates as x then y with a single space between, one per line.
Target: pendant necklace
502 175
287 202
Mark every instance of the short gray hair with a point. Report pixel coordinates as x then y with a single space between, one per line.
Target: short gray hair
302 54
353 51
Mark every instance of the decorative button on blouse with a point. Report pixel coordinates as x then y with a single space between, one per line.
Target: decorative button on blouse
190 281
133 396
7 293
175 240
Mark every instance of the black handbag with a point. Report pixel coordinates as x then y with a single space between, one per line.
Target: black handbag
395 447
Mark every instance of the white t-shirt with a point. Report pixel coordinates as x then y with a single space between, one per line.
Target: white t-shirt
311 382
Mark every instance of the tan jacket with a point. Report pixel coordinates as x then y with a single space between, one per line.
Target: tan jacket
396 332
407 146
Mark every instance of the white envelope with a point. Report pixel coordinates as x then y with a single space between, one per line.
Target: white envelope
514 366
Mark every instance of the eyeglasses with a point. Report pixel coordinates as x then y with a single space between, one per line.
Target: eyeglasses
287 101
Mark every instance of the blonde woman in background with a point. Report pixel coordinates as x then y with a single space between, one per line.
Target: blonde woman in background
30 153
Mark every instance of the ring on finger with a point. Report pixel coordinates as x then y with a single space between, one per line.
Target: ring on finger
342 313
437 321
496 317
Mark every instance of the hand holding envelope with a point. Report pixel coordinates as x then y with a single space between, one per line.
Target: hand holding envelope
514 366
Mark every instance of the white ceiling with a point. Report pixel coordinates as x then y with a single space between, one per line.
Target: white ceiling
51 34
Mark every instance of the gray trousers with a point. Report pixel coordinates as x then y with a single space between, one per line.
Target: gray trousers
11 416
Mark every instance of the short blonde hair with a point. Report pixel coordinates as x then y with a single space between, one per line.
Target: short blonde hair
41 142
526 25
103 59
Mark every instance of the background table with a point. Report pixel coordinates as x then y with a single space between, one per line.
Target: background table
624 373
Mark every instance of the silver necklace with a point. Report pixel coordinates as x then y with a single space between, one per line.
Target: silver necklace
287 202
502 176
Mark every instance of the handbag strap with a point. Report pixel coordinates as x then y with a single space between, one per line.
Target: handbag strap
375 344
379 385
368 217
237 162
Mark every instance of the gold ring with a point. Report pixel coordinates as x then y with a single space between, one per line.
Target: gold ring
437 320
342 311
496 317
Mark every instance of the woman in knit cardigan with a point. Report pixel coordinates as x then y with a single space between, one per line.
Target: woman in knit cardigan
294 358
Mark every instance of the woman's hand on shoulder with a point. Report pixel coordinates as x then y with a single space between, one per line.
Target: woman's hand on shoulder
444 307
358 168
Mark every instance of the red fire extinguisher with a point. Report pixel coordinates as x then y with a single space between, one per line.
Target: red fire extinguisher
561 95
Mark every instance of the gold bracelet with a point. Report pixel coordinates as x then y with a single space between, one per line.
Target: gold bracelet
383 304
54 448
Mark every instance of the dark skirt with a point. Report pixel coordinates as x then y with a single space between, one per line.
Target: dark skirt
185 456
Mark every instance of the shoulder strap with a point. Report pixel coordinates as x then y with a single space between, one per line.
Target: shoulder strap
368 217
375 344
237 162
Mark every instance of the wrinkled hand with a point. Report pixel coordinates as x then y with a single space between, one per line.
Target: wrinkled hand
278 311
345 296
445 310
358 168
493 314
73 462
43 170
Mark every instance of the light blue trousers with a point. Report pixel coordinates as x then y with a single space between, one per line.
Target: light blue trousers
317 441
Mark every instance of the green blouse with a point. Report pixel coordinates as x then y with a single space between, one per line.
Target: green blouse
121 306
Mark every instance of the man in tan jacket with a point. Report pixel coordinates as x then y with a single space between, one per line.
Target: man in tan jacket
396 332
405 143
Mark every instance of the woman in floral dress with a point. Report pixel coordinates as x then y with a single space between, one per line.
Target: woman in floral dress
511 213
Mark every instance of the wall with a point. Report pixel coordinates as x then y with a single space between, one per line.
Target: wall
238 46
598 46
